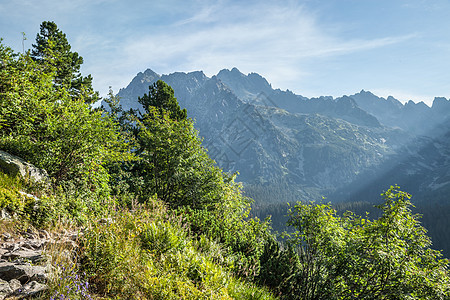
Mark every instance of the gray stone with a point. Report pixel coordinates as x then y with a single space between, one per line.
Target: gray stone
6 236
14 166
5 214
15 284
21 271
44 234
33 244
31 289
5 289
31 255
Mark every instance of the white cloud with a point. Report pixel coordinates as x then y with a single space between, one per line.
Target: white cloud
285 41
272 39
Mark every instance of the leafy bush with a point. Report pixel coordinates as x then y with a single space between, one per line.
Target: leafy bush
44 125
146 254
161 237
355 257
243 239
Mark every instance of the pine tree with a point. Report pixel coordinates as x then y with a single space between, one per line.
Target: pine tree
161 96
54 51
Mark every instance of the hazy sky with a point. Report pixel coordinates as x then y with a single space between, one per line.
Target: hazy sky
312 47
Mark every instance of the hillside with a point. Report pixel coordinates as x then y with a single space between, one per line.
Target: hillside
114 204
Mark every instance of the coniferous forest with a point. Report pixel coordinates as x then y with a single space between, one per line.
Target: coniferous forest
152 216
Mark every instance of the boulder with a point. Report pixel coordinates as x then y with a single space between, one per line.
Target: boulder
30 289
5 289
23 272
15 285
14 166
27 254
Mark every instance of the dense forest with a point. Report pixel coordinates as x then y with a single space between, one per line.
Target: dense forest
156 217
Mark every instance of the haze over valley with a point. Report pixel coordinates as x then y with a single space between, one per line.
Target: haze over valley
324 146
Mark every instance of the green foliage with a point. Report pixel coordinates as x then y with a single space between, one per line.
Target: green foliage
48 207
148 255
11 200
162 237
162 97
177 169
45 126
53 51
353 257
174 165
148 252
229 223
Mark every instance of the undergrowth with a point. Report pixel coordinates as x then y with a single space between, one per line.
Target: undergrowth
148 254
143 252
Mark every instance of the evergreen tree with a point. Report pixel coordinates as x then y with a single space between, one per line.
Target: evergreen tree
44 125
173 163
54 51
161 96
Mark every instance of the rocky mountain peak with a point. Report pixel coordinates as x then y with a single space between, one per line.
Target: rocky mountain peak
267 134
246 87
347 101
441 103
148 76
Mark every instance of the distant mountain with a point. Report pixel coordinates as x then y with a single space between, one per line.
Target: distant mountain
319 146
256 90
416 118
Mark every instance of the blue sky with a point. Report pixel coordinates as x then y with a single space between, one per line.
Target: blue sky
312 47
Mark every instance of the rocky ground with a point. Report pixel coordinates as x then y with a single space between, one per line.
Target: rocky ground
25 261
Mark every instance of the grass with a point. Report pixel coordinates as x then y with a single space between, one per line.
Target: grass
146 252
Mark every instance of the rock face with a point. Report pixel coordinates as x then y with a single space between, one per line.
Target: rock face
319 144
14 166
416 118
21 271
268 135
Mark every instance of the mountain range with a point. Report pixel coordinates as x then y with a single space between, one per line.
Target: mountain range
342 148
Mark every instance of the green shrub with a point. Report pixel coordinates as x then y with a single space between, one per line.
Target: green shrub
147 254
351 257
43 124
11 200
242 238
161 237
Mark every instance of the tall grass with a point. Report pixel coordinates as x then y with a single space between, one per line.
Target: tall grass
148 254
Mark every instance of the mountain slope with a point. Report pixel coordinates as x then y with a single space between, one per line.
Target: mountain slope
270 135
416 118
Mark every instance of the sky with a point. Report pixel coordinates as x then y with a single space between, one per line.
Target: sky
396 48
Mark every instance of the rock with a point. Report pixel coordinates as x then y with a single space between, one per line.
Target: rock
30 289
23 272
15 284
5 289
15 256
34 244
4 214
14 166
32 255
6 236
44 234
